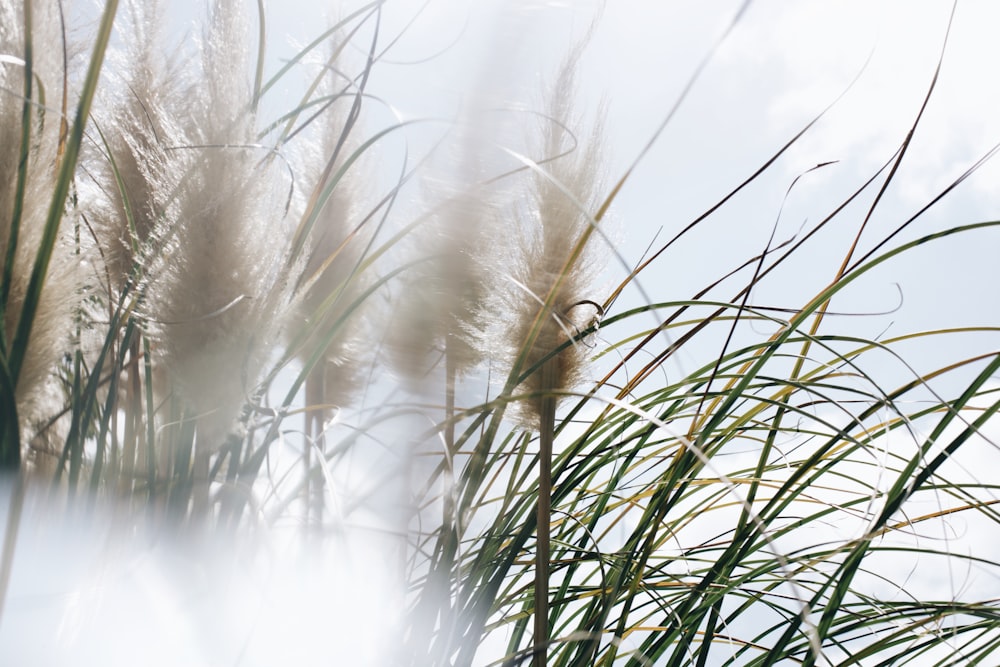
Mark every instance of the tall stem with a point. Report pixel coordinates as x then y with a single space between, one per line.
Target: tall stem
546 430
449 550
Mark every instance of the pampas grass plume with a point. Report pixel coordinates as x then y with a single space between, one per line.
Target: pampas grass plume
332 276
216 290
53 319
547 302
136 170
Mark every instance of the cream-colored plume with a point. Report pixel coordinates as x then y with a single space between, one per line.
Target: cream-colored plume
36 392
547 301
336 233
215 287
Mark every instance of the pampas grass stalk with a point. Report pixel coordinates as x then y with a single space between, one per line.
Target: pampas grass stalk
216 290
548 294
331 278
436 334
435 328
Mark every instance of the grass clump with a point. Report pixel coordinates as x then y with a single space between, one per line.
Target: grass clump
219 315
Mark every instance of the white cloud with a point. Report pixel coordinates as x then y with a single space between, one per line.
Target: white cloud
810 52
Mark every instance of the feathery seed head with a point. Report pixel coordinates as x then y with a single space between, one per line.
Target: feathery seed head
137 115
53 317
331 274
439 308
548 300
215 289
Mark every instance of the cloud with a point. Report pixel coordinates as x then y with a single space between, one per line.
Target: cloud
806 54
